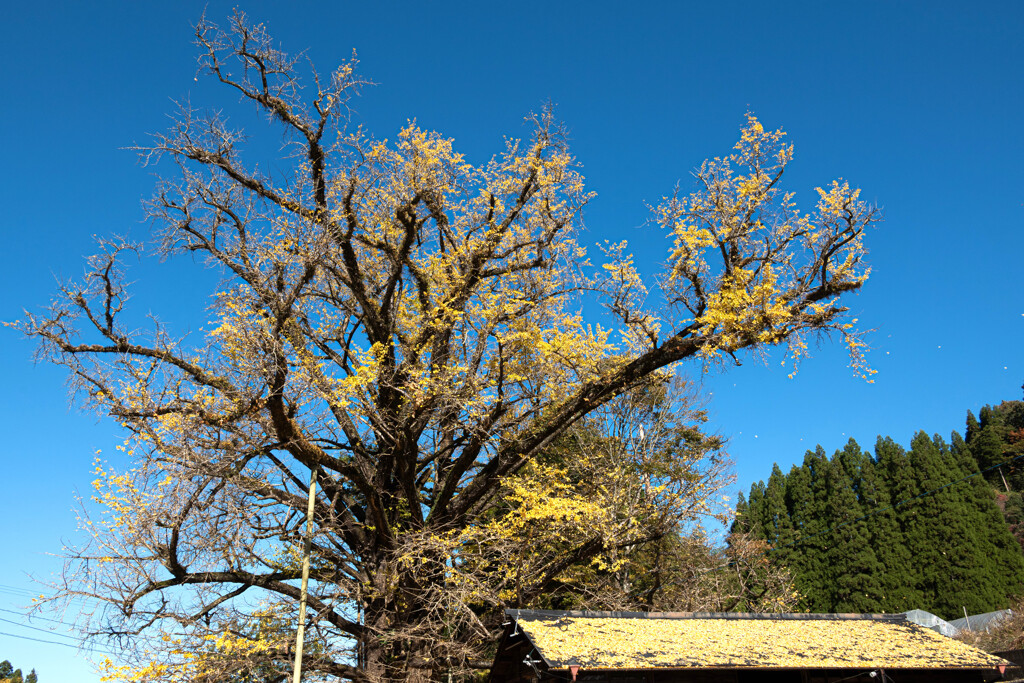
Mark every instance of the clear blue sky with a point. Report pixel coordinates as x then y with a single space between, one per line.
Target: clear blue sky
918 103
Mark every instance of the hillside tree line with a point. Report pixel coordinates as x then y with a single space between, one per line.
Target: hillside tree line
899 528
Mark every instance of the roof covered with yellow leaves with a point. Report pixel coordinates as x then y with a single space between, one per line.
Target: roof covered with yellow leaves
651 640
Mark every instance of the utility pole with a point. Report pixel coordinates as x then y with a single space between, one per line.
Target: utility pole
1005 485
307 546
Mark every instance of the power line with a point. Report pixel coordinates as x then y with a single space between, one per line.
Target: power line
18 589
42 630
145 638
32 616
54 642
17 592
25 592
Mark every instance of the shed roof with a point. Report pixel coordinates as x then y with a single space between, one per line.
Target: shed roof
636 640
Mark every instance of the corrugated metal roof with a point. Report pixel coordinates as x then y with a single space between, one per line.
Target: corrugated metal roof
980 622
929 620
687 640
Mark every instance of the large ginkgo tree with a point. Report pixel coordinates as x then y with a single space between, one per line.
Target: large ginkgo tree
406 325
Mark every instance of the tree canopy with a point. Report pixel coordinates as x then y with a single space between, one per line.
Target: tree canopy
998 438
8 674
407 325
905 529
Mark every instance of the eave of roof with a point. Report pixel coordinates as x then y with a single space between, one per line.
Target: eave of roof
525 615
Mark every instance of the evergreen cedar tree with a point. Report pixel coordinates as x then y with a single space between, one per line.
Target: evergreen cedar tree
831 522
405 324
8 674
998 437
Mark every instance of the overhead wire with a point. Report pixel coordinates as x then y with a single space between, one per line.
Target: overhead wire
31 617
41 630
55 642
18 592
152 639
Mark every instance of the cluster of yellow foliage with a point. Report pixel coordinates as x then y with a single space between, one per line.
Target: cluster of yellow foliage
749 266
240 650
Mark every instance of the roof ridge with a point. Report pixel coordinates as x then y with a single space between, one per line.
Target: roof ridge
795 616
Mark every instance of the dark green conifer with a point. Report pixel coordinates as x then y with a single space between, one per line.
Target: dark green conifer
903 485
997 543
897 579
854 570
775 522
903 530
1001 442
954 573
1013 510
973 427
741 519
755 510
987 441
806 512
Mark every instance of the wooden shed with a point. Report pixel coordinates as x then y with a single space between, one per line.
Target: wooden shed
670 647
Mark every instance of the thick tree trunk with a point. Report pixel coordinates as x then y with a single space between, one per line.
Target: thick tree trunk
387 661
391 652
